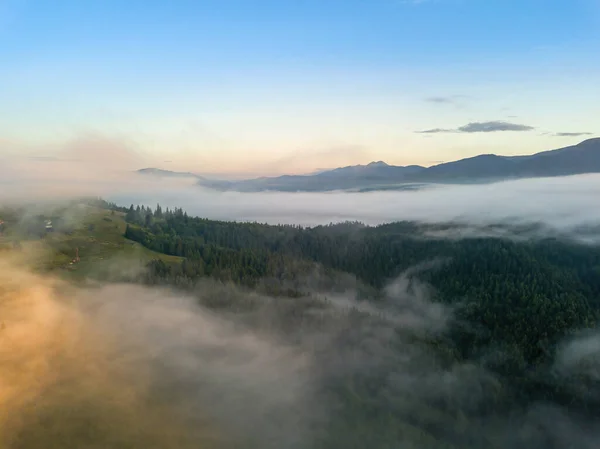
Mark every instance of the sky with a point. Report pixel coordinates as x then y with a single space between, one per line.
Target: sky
259 87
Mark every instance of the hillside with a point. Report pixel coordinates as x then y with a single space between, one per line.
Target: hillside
573 160
98 233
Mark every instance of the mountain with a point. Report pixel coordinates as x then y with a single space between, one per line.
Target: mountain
377 169
577 159
351 177
572 160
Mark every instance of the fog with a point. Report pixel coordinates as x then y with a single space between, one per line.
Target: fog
127 366
565 204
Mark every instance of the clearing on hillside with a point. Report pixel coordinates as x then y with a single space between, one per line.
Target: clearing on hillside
83 241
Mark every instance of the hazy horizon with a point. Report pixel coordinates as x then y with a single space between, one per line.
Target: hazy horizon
249 175
562 204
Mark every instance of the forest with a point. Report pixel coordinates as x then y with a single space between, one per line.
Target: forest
514 300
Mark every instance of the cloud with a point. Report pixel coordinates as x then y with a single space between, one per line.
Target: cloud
481 127
573 134
450 99
88 164
37 180
440 100
563 204
96 149
157 368
77 373
436 131
130 366
101 151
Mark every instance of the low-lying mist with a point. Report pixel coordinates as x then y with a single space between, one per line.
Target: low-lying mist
560 204
121 366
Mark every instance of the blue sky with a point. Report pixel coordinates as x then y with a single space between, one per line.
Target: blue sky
287 86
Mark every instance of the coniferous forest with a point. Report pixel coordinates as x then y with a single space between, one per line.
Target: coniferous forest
516 303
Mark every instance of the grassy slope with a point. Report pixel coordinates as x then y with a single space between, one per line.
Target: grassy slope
98 234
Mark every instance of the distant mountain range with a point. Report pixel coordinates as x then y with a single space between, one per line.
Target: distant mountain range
577 159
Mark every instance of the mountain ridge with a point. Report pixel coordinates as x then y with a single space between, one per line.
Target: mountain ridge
581 158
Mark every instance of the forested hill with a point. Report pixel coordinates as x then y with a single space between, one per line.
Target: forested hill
514 301
527 294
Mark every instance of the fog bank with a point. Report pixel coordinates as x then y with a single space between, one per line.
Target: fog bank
563 204
125 366
566 204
